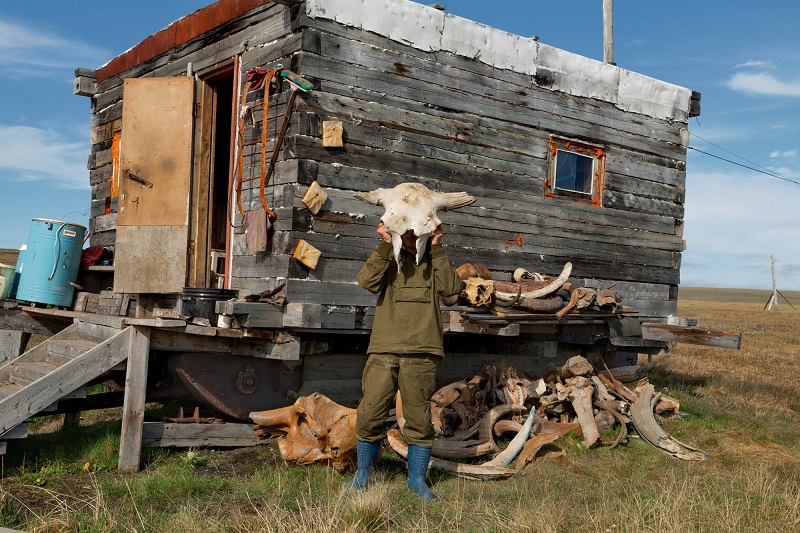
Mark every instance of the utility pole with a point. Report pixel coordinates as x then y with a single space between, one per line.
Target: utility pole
608 32
773 301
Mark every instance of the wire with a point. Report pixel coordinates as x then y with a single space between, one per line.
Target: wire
728 151
745 166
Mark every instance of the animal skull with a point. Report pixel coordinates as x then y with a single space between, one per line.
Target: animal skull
412 206
314 429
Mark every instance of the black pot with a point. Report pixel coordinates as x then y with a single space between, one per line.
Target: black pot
201 303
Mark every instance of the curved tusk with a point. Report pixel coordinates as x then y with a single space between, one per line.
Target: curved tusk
460 449
502 303
515 446
503 290
486 429
647 427
457 469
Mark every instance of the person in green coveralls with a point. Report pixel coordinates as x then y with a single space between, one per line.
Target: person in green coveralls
404 351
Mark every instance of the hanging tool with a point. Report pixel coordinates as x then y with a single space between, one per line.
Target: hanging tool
255 77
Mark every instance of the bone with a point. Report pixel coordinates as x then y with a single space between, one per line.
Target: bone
457 469
313 429
412 206
533 289
581 399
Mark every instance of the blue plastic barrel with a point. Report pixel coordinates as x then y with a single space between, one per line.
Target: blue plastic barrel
52 260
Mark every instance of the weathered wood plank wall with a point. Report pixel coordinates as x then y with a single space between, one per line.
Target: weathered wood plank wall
449 122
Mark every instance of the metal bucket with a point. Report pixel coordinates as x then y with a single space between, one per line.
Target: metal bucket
201 303
51 263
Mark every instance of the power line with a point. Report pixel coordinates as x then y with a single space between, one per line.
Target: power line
728 151
745 166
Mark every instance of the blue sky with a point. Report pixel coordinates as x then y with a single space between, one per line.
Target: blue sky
744 58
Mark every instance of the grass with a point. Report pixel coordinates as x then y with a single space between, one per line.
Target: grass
742 409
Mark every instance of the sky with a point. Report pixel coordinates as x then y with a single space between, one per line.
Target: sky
742 56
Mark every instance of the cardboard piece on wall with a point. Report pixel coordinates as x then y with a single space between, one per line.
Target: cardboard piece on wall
315 197
306 254
332 134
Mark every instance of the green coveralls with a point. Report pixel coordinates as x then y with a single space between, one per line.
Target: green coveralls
406 342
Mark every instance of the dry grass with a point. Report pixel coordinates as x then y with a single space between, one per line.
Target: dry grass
743 411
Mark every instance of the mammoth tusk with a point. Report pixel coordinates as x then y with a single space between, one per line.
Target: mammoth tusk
457 469
647 427
485 432
506 291
515 446
460 449
500 303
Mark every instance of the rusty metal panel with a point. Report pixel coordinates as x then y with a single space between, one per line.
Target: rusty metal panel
179 32
155 157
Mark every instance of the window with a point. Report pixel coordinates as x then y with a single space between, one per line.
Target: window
575 170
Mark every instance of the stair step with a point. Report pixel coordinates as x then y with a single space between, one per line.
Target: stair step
30 370
60 351
7 389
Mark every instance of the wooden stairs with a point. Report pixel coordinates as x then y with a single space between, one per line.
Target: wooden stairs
58 368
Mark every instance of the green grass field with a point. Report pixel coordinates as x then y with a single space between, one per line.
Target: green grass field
742 407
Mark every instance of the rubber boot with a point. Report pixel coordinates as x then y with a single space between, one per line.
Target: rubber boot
418 458
367 456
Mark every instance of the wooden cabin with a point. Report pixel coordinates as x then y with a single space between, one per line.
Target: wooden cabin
199 173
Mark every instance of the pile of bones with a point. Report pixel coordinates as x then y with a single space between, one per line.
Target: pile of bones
498 404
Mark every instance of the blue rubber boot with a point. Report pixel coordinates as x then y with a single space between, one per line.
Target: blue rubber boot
418 458
367 456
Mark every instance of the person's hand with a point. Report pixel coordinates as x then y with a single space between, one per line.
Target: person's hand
437 235
385 235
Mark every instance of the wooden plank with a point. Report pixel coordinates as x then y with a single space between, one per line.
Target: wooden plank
692 335
20 320
130 447
282 345
172 435
253 314
12 344
150 259
303 291
524 113
430 70
20 431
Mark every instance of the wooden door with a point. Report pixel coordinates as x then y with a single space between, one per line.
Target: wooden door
154 184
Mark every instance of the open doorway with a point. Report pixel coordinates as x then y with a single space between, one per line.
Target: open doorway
211 187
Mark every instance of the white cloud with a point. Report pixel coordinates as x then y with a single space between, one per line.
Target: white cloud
33 52
733 223
786 153
763 84
756 64
34 154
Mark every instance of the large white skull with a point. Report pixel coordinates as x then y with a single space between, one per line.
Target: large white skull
412 206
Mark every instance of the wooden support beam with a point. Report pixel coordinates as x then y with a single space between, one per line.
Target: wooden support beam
130 447
692 335
172 435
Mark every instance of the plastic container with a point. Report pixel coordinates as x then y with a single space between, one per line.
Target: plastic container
6 275
201 303
51 263
12 292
